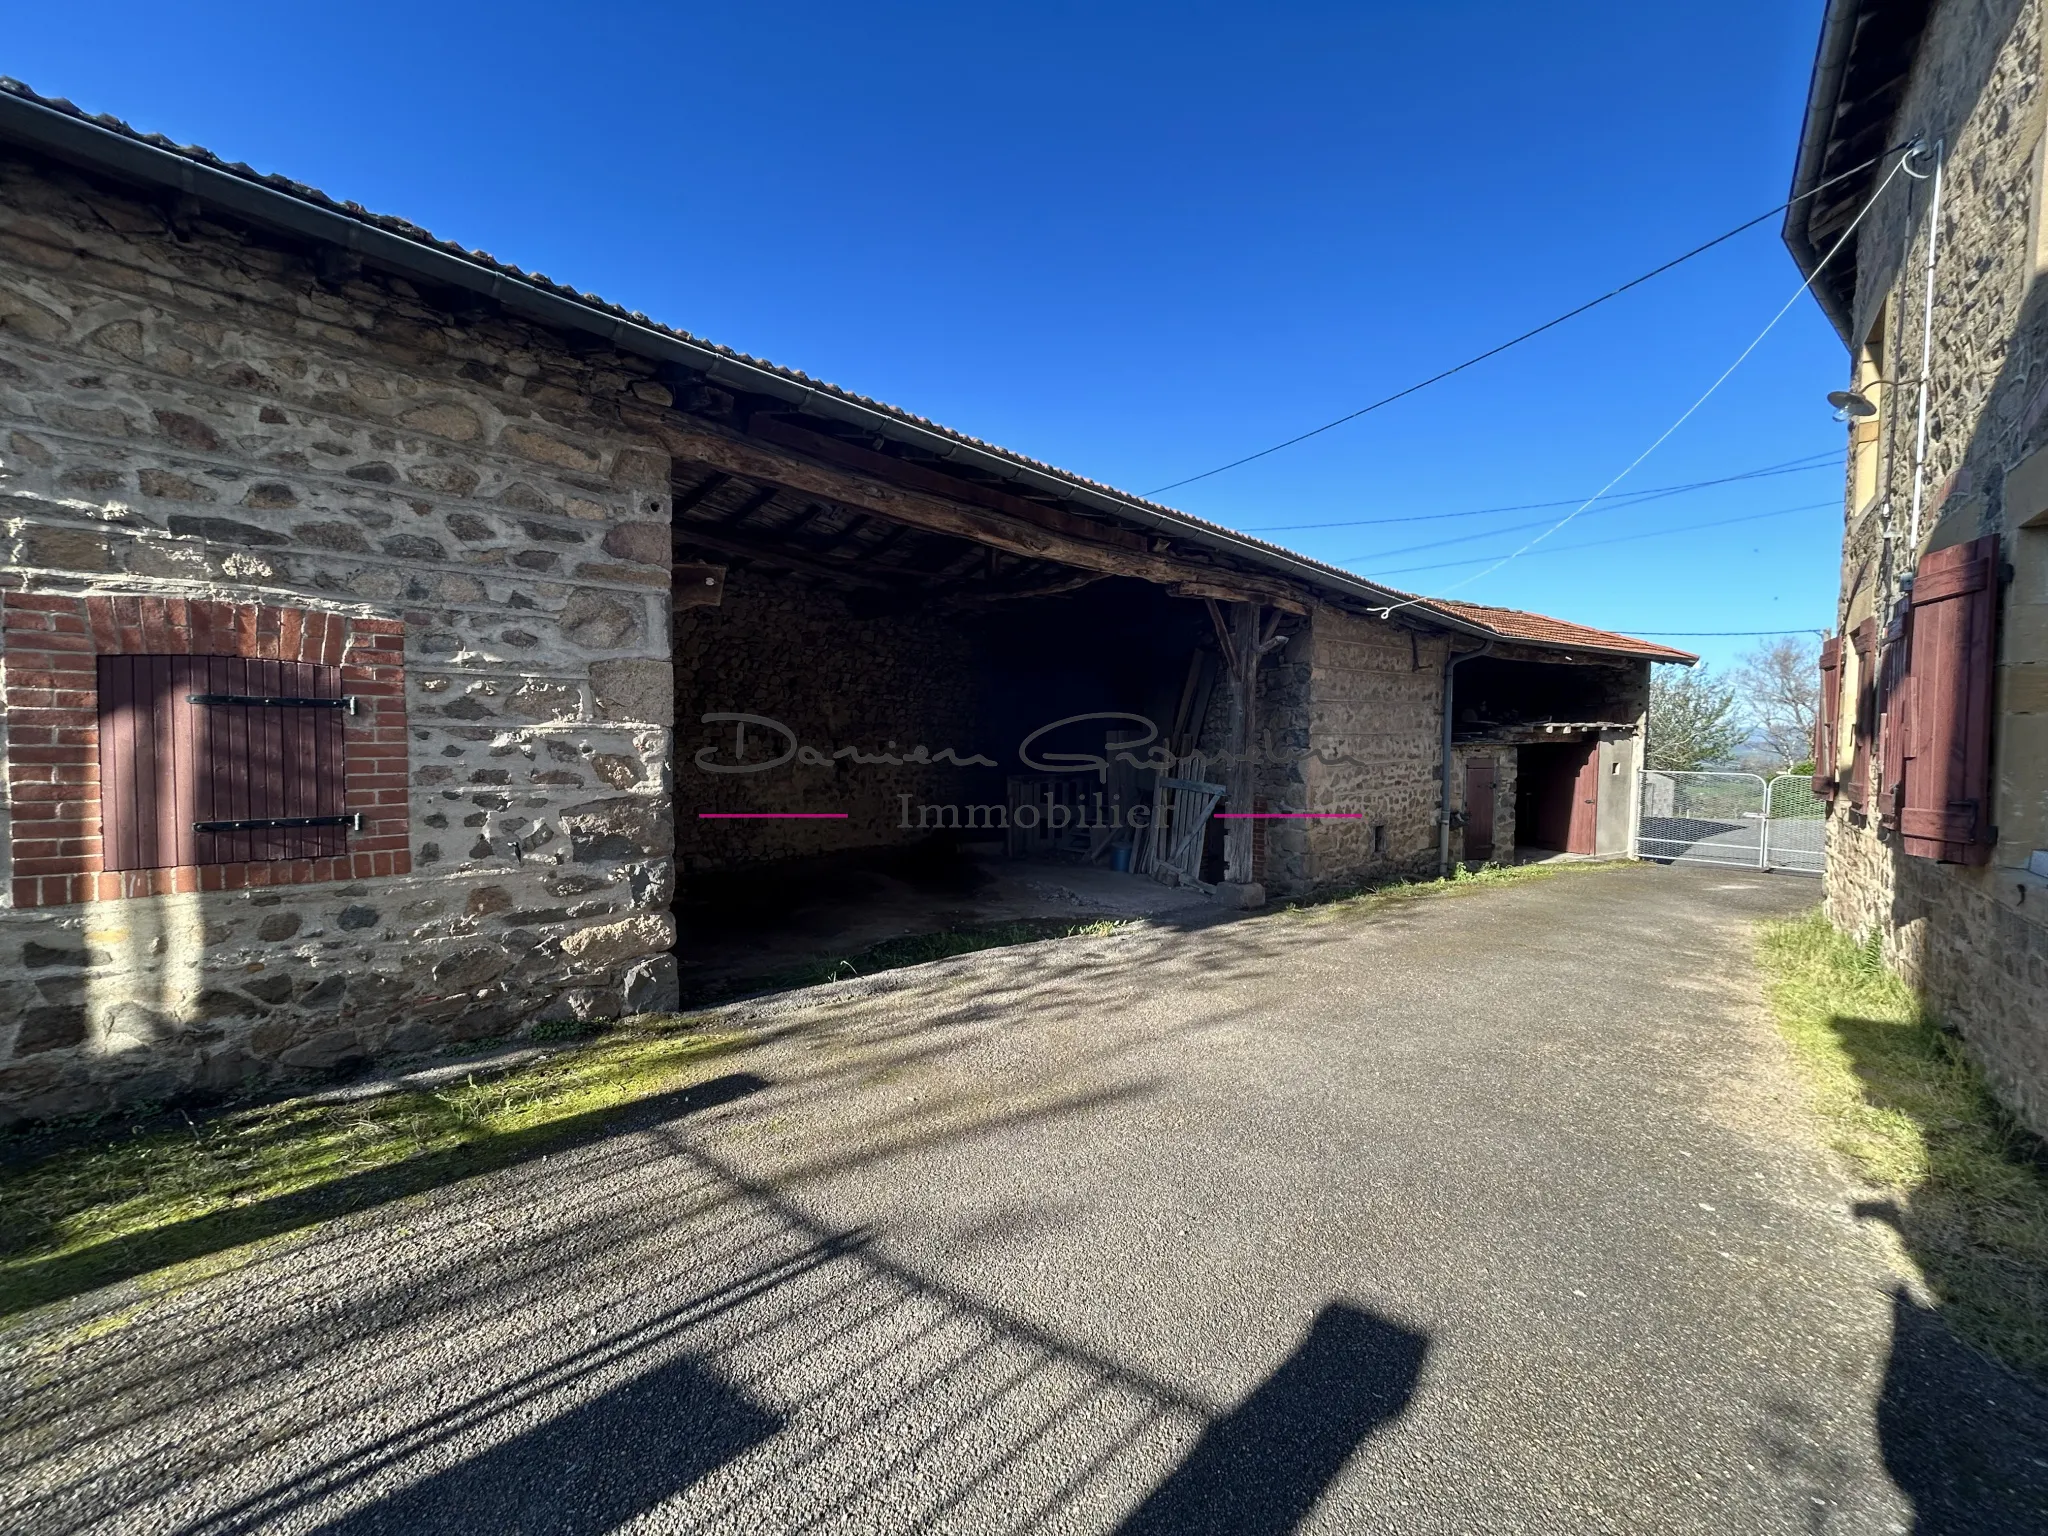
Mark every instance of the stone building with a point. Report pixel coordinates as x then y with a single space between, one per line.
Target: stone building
384 629
1934 744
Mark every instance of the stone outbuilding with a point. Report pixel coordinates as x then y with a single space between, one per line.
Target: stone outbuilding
1934 723
387 629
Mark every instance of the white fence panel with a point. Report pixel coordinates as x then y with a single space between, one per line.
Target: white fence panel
1702 818
1738 820
1795 825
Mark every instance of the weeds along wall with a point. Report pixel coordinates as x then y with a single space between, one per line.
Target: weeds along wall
1974 940
210 448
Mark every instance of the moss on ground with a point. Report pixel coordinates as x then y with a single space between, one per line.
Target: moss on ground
1966 1185
84 1206
79 1209
1461 881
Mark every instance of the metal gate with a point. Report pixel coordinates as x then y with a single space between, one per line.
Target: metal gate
1739 820
1795 821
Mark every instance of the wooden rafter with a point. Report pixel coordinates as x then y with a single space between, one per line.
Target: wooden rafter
750 506
701 443
769 555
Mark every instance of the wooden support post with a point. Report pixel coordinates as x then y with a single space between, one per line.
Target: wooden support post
1242 644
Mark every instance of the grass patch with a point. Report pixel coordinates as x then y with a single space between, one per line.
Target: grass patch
894 954
80 1212
1461 881
1967 1185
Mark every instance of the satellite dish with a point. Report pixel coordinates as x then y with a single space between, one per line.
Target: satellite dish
1850 406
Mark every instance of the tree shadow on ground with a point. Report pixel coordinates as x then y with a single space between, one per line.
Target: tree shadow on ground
723 1355
583 1472
1963 1436
1975 1219
122 1258
903 1039
1259 1469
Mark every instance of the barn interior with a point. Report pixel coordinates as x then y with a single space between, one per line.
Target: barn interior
1567 727
857 697
920 694
1500 698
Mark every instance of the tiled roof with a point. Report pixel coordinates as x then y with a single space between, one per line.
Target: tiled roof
1514 624
1540 630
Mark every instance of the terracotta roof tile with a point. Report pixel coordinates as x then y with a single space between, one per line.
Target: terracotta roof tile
1514 624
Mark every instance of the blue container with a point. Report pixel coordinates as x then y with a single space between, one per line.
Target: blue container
1120 858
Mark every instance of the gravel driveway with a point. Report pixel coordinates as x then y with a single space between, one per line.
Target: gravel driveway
1495 1212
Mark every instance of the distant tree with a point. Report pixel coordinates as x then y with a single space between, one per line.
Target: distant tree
1779 686
1693 718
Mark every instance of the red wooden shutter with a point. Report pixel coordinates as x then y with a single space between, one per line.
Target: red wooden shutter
1891 723
1944 783
169 764
1827 719
1863 712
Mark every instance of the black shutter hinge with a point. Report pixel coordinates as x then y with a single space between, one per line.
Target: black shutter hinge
269 701
353 821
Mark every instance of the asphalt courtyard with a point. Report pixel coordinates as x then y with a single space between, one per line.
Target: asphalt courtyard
1495 1212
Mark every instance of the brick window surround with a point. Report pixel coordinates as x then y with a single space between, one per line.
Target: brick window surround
49 644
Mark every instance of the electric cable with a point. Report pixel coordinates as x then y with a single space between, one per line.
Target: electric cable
1530 335
1625 538
1467 538
1684 416
1831 459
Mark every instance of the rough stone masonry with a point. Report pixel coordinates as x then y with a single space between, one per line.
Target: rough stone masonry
1974 939
211 445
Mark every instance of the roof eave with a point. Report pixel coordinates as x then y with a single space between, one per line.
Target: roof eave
1823 100
81 141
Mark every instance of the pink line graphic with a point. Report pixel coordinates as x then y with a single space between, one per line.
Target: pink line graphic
1289 815
772 815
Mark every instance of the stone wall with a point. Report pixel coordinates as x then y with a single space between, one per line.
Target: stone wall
1375 731
1974 948
1975 940
192 415
794 654
1284 851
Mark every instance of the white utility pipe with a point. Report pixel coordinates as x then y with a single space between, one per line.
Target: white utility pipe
1926 362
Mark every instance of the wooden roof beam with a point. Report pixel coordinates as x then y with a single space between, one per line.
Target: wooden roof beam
702 443
837 450
745 549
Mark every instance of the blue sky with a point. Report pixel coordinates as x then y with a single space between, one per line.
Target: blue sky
1135 240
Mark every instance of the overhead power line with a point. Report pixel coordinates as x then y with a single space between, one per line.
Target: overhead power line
1623 538
1685 415
1829 460
1529 335
1468 538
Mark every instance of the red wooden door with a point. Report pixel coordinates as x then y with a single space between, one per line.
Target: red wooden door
1585 823
1479 782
